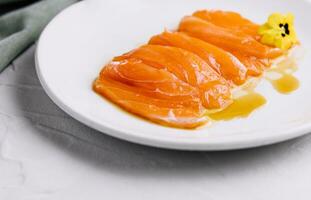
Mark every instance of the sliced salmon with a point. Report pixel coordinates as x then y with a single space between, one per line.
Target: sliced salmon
235 22
222 61
157 110
226 39
255 66
178 75
188 67
157 83
230 20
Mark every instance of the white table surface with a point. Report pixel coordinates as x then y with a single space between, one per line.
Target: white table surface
47 155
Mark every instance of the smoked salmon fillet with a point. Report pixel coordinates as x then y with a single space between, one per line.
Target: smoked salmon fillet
226 38
151 93
147 107
188 67
236 23
153 82
180 75
220 60
230 20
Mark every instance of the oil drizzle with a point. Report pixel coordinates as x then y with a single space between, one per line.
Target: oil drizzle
286 84
283 81
240 108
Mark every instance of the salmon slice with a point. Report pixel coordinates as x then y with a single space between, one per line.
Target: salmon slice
222 61
152 82
234 21
226 38
229 20
255 66
188 67
157 110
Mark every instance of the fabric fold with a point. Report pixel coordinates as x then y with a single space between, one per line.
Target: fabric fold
21 27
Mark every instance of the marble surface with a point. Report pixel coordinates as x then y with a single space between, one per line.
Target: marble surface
47 155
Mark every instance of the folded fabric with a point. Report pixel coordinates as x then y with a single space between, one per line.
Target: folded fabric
21 22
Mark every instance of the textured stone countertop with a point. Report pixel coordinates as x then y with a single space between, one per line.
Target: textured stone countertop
47 155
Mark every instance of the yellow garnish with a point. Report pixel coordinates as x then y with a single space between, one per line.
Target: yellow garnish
279 31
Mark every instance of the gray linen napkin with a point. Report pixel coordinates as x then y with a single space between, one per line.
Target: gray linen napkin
21 22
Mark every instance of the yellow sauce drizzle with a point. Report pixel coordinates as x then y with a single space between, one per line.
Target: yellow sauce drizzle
240 108
285 83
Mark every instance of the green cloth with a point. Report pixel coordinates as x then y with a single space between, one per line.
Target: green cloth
21 22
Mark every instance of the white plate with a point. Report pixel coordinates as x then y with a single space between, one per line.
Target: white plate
79 41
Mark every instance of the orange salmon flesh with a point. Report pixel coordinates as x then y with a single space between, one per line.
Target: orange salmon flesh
179 75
